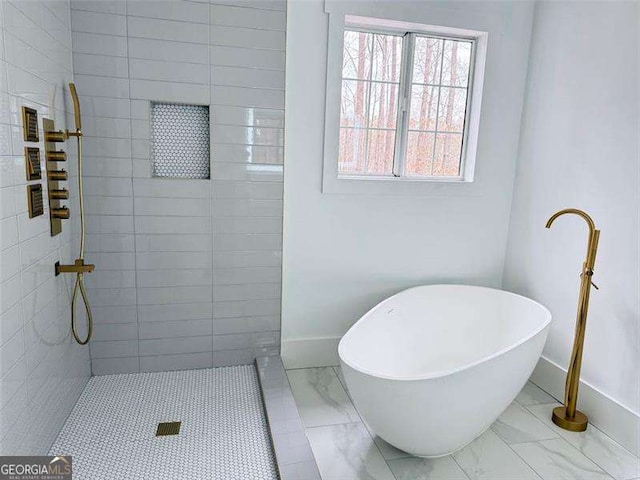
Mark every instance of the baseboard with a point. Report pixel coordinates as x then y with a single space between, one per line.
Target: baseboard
310 352
605 413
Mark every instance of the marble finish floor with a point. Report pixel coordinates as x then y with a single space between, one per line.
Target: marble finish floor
523 444
110 433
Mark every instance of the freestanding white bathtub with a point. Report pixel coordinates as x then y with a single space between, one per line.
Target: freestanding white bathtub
434 366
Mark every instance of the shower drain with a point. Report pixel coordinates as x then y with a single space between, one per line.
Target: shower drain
168 428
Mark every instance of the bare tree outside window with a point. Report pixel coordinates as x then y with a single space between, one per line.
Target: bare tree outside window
436 93
368 115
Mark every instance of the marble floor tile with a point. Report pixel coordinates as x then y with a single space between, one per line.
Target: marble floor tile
518 425
347 452
412 468
320 397
531 394
489 458
523 444
609 455
558 460
389 452
340 375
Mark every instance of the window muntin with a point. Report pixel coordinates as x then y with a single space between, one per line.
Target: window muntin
433 94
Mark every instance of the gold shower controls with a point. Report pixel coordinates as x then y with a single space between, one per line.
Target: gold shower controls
57 175
34 199
60 194
30 125
32 163
60 213
57 212
56 156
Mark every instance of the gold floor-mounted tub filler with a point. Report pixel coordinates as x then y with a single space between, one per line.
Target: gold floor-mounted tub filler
59 212
567 416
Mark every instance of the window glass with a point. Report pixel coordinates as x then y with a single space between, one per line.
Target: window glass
371 69
430 126
439 97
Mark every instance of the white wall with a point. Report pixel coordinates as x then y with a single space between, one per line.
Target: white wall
344 253
579 148
42 370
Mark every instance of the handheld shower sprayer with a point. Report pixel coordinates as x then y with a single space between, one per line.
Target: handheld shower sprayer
79 267
76 107
79 284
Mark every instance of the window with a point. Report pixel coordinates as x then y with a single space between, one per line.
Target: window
405 102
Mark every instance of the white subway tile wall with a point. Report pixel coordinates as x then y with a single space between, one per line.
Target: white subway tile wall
187 271
42 370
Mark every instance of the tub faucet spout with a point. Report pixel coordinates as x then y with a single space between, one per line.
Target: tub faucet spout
568 417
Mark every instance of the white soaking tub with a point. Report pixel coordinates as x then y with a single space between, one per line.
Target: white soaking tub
432 367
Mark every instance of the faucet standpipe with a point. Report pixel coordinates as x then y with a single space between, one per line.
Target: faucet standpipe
568 417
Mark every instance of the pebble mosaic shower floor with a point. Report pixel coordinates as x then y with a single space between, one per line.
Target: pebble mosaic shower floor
224 433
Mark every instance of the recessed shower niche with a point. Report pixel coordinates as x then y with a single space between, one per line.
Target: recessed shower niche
180 140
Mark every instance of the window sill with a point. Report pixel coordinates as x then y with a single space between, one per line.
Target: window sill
402 186
392 178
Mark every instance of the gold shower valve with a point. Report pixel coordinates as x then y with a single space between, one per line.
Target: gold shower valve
57 175
56 156
59 194
54 136
58 136
60 213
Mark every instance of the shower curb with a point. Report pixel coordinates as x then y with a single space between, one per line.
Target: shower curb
291 447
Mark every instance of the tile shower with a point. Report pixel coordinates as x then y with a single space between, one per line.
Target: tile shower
188 270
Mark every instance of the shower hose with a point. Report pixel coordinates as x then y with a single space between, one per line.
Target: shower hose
78 287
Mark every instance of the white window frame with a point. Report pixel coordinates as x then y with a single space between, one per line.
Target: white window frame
398 183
